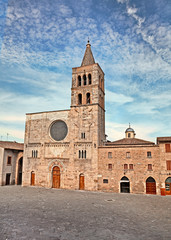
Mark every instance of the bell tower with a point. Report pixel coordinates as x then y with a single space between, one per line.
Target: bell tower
88 91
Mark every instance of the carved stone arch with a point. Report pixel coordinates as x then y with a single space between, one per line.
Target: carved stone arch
57 163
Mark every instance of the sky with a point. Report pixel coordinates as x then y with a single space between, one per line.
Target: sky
42 40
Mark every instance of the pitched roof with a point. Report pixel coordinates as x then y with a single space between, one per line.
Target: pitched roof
12 145
88 58
130 141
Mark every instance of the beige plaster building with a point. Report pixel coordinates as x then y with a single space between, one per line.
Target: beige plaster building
68 149
11 160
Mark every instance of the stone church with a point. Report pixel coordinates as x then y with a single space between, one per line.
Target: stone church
68 148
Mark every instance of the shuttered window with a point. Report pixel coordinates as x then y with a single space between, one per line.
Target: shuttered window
125 166
168 163
109 166
167 147
150 167
131 166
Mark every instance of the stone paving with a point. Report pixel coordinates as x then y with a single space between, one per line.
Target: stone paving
54 214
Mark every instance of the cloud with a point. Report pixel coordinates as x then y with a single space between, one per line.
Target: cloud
112 97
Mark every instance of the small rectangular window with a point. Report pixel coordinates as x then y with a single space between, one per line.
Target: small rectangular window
109 154
105 180
167 147
150 167
128 155
168 163
82 135
131 166
125 166
9 160
149 154
109 166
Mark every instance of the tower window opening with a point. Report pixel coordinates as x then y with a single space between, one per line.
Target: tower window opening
79 154
82 135
85 79
79 80
88 98
129 135
89 78
80 99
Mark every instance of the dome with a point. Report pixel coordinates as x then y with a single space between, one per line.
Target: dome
129 129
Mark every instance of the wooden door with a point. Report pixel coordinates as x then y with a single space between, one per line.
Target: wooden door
32 179
81 182
56 177
151 188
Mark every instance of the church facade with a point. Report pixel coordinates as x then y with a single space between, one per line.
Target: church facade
68 149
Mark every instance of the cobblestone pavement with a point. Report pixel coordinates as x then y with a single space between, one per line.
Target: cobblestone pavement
39 213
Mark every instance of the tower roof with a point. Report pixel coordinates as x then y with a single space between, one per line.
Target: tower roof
88 58
129 129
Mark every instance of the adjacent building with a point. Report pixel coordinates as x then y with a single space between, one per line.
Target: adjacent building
11 161
68 148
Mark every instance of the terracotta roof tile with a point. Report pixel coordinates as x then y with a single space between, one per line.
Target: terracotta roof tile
130 141
12 145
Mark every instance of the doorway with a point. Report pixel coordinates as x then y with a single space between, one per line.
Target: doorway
20 167
8 176
56 177
168 186
32 178
81 182
150 186
124 185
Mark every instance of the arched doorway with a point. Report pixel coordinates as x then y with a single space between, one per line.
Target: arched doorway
124 185
81 181
20 168
32 178
56 177
168 186
150 186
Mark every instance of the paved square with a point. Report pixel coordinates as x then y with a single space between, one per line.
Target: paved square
38 213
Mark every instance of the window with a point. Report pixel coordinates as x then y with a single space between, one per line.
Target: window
85 79
79 99
89 78
168 163
82 135
149 154
109 166
9 160
79 80
150 167
88 98
129 135
125 166
105 180
79 154
167 147
82 154
128 155
109 154
131 167
34 154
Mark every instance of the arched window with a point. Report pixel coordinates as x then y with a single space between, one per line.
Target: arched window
85 154
89 78
129 135
124 185
79 154
80 99
88 98
85 79
82 154
79 80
